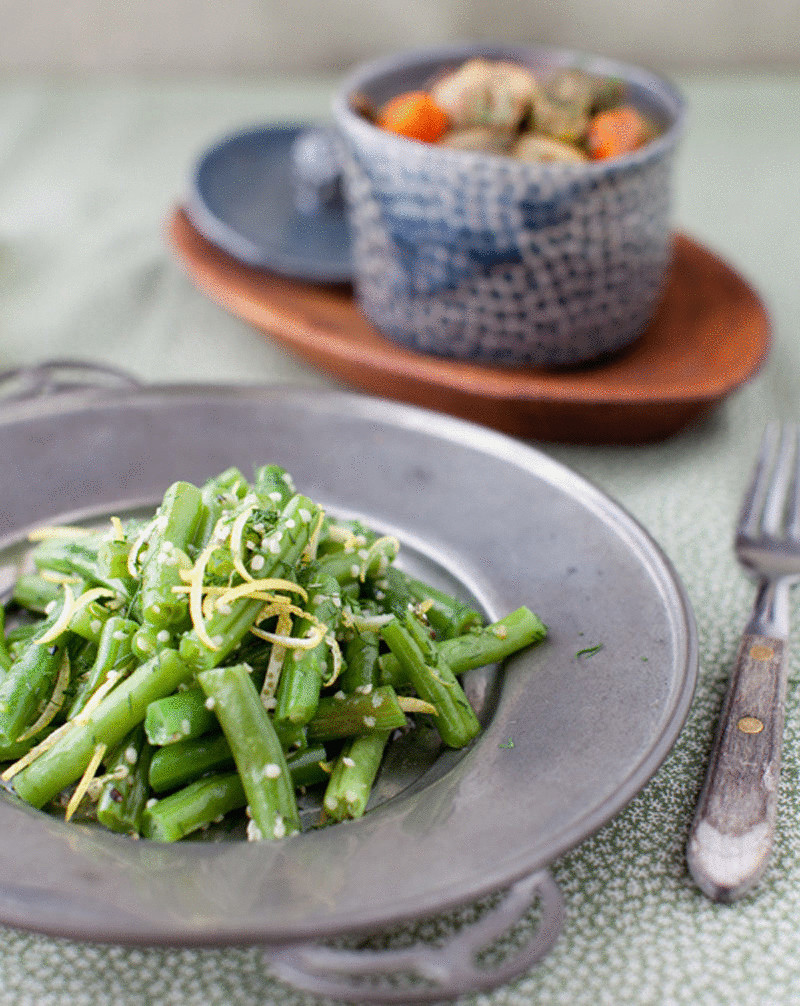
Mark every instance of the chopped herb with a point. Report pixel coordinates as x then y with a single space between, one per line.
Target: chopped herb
589 651
507 745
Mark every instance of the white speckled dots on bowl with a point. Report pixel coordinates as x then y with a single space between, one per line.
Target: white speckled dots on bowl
481 257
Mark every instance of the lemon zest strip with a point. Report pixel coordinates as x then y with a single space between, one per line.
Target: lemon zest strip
65 531
254 586
86 778
62 622
293 642
237 530
138 545
275 663
411 704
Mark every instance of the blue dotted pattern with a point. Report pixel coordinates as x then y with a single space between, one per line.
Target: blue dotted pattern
491 259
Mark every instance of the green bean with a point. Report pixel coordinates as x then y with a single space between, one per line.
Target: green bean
305 767
5 656
273 484
348 791
179 764
361 661
34 593
229 488
12 752
112 559
176 525
179 717
113 654
489 644
304 671
339 716
256 750
433 681
116 715
27 686
193 807
89 619
449 616
78 557
363 565
123 797
19 637
333 540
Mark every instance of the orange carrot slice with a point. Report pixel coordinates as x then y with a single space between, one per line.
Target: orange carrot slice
414 115
616 132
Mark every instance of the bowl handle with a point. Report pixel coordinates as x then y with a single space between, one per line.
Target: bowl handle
58 376
444 971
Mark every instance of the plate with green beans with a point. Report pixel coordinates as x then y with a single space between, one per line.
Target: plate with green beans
279 666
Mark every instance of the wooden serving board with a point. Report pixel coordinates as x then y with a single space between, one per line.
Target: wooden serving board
710 334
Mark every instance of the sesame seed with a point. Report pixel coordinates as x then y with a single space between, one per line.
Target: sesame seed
131 755
119 635
290 523
275 497
151 802
348 761
271 770
257 563
96 625
186 726
210 702
280 828
369 721
163 636
304 515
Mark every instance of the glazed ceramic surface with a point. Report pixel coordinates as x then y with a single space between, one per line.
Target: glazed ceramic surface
483 257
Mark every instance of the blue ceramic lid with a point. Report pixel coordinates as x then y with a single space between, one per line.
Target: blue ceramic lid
250 197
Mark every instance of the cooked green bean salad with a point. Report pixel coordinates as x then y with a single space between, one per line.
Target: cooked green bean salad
225 654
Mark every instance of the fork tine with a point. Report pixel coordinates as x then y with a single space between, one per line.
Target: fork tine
793 510
756 493
778 488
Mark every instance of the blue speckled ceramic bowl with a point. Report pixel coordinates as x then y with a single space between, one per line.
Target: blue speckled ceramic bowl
483 257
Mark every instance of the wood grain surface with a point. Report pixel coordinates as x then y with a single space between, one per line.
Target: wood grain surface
711 333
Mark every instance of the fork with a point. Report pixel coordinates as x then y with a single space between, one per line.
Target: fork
733 830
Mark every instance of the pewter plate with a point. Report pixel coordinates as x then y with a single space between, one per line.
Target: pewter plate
568 739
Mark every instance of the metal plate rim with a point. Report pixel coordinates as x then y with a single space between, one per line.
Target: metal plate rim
459 432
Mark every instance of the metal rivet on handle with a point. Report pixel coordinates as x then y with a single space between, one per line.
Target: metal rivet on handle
750 725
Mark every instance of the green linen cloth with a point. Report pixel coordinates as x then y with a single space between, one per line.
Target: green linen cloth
89 173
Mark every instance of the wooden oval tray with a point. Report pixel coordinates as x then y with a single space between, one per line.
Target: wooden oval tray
710 334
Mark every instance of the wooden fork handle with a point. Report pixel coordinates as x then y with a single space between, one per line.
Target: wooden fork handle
733 829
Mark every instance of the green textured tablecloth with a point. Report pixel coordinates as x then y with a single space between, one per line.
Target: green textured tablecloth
88 176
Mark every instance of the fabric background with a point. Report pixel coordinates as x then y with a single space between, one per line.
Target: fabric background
88 176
